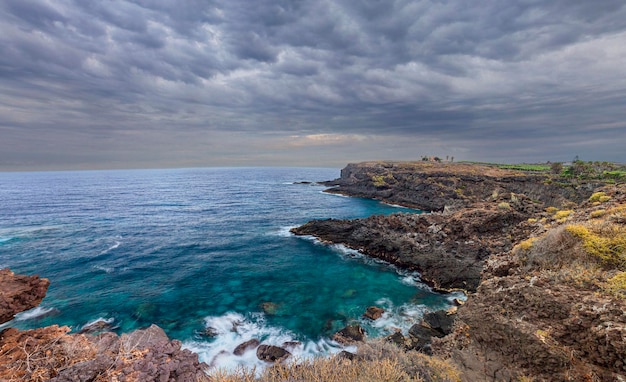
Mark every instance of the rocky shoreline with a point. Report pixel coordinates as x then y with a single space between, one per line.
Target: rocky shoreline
545 303
542 259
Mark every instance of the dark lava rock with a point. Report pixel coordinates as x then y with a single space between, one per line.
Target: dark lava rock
440 321
374 313
350 334
434 324
270 353
347 355
210 332
397 338
244 347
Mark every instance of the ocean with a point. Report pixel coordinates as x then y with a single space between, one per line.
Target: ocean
206 254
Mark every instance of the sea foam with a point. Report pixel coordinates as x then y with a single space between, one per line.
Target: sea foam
233 329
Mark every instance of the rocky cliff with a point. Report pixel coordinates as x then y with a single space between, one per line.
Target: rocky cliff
543 260
441 187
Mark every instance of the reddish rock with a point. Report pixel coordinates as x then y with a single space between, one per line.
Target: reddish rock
19 293
374 313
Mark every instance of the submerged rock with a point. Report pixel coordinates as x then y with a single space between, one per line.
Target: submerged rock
98 326
269 308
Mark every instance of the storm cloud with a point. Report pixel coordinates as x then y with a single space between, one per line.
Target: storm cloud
154 83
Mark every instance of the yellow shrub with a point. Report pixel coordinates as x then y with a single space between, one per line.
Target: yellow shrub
504 206
379 180
595 197
551 210
578 230
563 214
617 285
597 214
527 244
606 242
604 199
532 220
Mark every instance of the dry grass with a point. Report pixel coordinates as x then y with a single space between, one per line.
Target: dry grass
376 361
25 357
590 254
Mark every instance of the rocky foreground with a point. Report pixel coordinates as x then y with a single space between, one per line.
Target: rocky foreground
542 258
52 354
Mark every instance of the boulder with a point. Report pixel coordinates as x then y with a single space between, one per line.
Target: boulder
271 353
350 334
374 313
244 347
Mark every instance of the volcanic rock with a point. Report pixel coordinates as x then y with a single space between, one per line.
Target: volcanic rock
374 313
244 347
270 353
350 334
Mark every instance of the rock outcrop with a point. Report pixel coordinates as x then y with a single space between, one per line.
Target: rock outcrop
19 293
350 334
553 308
449 251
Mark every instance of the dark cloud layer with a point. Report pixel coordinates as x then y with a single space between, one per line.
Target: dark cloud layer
97 84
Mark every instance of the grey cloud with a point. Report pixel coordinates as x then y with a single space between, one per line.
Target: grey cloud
475 74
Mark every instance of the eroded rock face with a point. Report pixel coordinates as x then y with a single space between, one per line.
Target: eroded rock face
511 327
19 293
541 318
451 186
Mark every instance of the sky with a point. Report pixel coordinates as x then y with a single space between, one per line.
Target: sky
164 83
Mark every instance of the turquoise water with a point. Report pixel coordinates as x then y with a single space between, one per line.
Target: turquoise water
192 249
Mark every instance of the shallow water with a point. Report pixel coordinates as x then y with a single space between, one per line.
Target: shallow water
192 249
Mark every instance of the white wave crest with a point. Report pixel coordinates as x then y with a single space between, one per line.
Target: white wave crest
233 329
33 313
285 231
112 247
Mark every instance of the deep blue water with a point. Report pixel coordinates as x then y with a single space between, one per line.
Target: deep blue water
189 249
